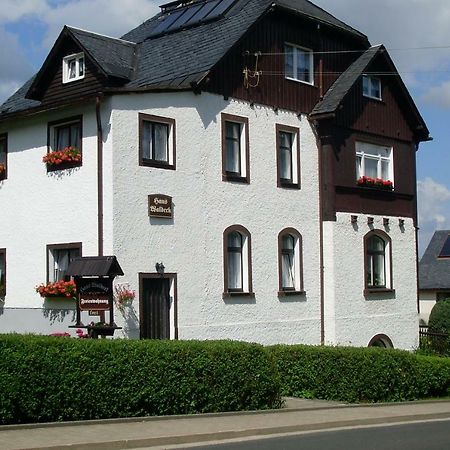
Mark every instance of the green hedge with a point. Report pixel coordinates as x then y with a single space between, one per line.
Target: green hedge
52 379
360 374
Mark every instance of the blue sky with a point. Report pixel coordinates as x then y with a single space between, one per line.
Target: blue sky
411 29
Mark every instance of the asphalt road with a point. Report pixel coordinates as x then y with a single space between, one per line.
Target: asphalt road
416 436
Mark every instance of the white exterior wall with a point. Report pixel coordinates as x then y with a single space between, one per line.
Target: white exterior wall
427 302
40 208
350 317
204 206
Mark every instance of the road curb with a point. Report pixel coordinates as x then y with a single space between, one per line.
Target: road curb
327 406
226 435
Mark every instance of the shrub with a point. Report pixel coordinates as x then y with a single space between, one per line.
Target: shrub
360 374
51 379
439 321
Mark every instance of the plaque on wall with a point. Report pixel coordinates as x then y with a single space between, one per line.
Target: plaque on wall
160 206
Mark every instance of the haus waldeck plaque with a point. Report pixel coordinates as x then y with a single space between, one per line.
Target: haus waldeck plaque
160 206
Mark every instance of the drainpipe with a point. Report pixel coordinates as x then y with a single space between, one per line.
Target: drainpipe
315 125
99 174
322 288
416 227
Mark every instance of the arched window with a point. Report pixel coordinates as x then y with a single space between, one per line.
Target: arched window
237 260
378 261
290 261
381 340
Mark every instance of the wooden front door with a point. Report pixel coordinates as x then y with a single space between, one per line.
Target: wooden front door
155 309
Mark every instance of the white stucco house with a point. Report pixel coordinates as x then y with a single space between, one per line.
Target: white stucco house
237 143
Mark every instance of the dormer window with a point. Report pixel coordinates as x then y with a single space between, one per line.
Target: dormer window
299 64
371 87
73 67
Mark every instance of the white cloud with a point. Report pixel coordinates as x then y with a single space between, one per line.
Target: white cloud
434 209
402 24
17 69
438 95
12 10
113 18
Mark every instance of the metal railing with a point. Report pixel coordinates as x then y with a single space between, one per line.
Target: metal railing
434 342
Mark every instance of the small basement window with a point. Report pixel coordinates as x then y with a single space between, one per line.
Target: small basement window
73 67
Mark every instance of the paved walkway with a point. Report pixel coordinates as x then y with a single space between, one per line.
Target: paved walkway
299 415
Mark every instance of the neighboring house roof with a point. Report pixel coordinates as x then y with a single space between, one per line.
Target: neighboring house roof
175 60
434 272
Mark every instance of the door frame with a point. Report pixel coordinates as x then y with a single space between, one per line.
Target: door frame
173 291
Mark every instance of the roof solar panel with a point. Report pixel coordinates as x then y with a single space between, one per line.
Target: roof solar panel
445 252
184 16
221 8
201 15
168 21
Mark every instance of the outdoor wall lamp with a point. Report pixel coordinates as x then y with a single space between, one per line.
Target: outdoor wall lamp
160 268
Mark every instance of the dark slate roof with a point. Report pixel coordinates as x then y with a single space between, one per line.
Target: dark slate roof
341 87
434 272
91 266
115 56
180 59
17 102
308 9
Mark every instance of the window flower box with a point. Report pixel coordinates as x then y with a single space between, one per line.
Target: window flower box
58 289
62 159
375 183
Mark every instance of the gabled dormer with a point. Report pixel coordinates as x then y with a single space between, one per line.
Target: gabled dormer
81 64
371 97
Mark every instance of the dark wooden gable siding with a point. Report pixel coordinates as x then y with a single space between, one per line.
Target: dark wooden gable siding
387 117
340 192
269 36
55 92
382 122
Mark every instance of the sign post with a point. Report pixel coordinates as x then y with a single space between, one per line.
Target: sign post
94 278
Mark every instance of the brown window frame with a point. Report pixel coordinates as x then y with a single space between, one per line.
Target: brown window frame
4 137
52 130
246 291
3 291
64 246
244 124
282 291
388 288
172 151
295 131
